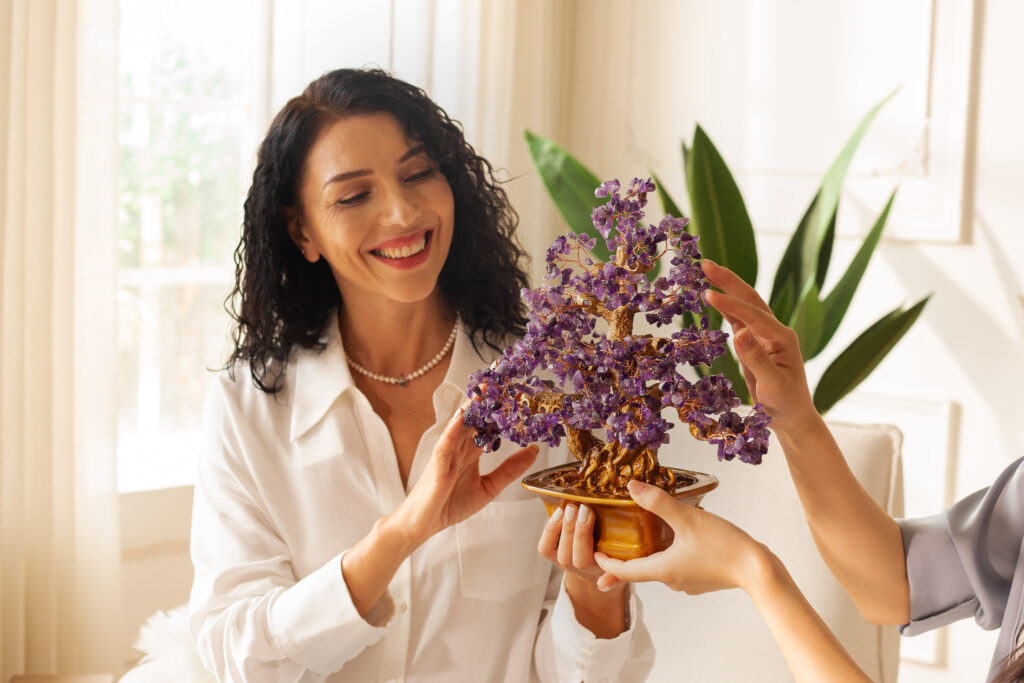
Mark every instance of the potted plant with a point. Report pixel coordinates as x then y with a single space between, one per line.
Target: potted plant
581 367
719 217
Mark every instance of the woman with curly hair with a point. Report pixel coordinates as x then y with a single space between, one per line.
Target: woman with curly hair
346 527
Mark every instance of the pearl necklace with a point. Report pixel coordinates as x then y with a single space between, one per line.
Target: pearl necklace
402 381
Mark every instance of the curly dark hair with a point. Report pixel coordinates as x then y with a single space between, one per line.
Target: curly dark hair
1012 670
280 299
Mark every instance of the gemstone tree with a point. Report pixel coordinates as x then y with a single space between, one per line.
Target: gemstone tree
580 367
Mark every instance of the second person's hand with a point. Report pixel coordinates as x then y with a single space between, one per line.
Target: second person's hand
768 351
707 554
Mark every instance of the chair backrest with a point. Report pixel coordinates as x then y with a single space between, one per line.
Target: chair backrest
720 636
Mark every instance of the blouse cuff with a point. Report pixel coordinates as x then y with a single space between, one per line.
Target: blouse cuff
309 620
940 592
582 655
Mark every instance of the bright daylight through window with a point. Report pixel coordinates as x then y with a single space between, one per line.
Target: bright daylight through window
187 125
197 84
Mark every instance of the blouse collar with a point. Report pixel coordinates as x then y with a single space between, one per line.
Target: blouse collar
321 377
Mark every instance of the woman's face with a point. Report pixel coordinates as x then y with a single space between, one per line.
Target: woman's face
377 208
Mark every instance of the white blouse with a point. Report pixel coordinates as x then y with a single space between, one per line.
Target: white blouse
286 484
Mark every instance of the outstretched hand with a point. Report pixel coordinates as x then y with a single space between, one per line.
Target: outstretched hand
452 487
707 554
768 351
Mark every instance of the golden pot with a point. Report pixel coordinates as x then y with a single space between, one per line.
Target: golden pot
622 529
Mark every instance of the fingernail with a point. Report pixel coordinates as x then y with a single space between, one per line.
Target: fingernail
584 514
556 515
636 487
603 589
570 513
742 338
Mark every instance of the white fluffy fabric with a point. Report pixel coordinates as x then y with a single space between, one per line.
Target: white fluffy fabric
170 654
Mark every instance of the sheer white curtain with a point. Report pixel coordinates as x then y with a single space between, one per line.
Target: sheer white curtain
522 76
58 507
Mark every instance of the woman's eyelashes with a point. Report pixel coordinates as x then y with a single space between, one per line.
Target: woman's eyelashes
420 176
414 178
353 199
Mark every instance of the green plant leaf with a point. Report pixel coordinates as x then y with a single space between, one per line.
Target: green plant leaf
800 260
571 186
668 205
807 322
782 308
838 300
863 355
684 152
717 210
788 276
825 255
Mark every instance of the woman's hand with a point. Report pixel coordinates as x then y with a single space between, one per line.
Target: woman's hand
708 553
451 487
568 541
768 350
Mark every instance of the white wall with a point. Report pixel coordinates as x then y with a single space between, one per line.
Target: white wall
643 73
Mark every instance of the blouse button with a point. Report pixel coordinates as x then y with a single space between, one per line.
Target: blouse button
402 606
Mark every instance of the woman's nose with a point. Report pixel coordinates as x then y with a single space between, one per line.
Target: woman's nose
398 207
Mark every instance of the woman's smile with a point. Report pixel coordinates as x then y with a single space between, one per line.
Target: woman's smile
405 253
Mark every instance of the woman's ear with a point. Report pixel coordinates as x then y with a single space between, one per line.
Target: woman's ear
298 231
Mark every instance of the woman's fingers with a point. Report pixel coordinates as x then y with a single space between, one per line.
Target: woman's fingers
607 581
634 571
761 322
751 381
513 467
454 435
654 499
568 541
564 554
583 540
457 441
731 283
756 361
735 324
547 546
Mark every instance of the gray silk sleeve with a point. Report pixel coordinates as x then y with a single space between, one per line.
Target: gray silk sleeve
962 562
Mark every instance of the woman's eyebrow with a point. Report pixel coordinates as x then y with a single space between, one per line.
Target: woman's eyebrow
348 174
418 149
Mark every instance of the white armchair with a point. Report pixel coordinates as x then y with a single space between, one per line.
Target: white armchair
720 636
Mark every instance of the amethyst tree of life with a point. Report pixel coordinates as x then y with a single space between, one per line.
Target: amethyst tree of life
580 367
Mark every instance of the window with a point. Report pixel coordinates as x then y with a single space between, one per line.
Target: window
197 84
